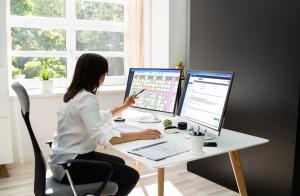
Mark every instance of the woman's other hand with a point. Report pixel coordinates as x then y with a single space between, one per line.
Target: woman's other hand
143 135
149 134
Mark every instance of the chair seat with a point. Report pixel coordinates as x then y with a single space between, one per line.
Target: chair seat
54 188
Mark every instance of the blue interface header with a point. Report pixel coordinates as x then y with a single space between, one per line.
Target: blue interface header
155 70
214 74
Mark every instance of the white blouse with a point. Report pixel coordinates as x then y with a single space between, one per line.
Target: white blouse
81 126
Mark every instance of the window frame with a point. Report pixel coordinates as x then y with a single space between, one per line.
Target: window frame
70 24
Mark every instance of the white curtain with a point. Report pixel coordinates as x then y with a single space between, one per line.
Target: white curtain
134 33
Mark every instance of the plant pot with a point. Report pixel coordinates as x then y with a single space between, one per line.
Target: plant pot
182 71
47 86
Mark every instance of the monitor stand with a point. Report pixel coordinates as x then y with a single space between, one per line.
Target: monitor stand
149 119
209 136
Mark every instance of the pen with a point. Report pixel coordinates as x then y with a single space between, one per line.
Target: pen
191 131
199 131
194 131
139 92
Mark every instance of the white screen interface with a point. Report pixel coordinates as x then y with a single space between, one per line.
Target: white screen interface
160 89
205 98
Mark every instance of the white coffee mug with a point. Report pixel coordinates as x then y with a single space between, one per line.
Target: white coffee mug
197 142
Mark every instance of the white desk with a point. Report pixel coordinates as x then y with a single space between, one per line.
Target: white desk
228 142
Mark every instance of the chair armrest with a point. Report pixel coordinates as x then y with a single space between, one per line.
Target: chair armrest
105 165
49 142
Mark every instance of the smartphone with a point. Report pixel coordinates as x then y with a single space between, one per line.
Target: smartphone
139 92
210 144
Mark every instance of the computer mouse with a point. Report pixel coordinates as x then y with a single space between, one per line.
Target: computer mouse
171 129
119 119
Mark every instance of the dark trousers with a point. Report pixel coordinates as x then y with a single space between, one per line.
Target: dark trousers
126 177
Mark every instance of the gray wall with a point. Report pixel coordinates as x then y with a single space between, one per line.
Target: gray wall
259 41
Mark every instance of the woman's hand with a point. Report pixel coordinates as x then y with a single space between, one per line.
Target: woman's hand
149 134
129 101
143 135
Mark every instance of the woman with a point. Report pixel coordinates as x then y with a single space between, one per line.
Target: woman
82 126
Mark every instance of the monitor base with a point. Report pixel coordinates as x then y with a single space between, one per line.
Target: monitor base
150 119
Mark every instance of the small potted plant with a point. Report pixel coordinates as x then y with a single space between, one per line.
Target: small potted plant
180 65
47 84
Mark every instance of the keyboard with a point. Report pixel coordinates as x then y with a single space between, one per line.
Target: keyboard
126 128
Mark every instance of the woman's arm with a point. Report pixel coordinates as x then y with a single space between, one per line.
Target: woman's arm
127 137
128 102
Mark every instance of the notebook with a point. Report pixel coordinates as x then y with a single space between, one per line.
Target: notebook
159 151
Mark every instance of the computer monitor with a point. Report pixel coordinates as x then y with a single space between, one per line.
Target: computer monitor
161 88
204 98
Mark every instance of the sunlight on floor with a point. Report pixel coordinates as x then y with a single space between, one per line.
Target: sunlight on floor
170 190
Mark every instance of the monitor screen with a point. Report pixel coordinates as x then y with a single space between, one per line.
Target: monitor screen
204 98
161 87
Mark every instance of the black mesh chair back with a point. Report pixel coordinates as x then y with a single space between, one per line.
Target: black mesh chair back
40 165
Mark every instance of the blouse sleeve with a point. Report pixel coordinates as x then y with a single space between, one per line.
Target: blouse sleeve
98 123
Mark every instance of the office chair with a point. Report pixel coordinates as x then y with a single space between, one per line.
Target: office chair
47 185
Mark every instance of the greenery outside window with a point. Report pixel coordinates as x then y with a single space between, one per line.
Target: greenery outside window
54 33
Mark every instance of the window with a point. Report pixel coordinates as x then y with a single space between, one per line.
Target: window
52 34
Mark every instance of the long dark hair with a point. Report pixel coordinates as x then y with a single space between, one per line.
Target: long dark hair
88 70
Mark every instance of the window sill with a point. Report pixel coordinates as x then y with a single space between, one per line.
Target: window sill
58 92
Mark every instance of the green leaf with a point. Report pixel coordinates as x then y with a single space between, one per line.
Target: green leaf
45 74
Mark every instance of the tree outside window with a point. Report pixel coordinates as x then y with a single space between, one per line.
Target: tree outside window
53 33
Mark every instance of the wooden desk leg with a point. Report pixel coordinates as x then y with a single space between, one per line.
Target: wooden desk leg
160 181
137 166
238 172
4 171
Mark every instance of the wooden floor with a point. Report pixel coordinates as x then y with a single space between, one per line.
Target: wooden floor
178 181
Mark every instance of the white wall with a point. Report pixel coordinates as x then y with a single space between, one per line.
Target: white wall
160 33
178 31
5 122
3 34
165 32
5 125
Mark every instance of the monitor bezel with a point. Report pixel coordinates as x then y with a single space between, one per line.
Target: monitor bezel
153 110
182 97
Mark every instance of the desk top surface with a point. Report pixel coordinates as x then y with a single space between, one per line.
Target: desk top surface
227 141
